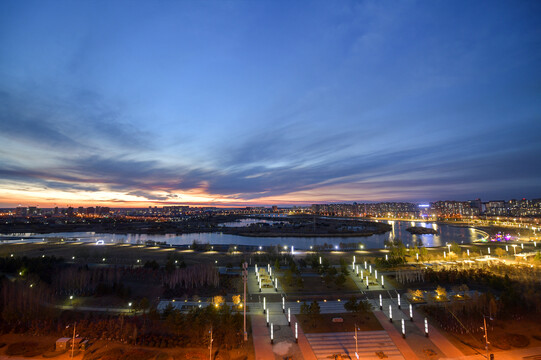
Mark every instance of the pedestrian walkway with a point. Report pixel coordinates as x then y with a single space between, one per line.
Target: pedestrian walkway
261 336
369 344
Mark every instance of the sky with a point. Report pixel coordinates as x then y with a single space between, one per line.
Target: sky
233 103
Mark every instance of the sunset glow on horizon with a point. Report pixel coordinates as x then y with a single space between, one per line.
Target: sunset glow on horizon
139 103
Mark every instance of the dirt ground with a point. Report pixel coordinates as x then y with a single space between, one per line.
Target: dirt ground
101 348
324 323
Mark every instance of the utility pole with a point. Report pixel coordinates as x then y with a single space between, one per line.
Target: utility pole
245 278
356 347
210 345
486 333
73 342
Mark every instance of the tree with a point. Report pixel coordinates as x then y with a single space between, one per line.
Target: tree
288 277
500 252
441 293
423 253
144 304
351 304
236 299
455 248
276 265
315 310
340 280
305 308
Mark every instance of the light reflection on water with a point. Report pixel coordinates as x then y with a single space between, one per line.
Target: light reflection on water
446 233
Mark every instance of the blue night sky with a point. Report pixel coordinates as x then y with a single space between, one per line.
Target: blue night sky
268 102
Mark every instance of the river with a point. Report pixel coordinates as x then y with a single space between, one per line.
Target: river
446 233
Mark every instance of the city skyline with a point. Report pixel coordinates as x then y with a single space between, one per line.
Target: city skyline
131 104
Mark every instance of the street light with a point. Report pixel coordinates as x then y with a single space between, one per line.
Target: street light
486 334
73 341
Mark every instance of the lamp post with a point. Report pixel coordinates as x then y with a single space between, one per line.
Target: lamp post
73 341
245 279
486 333
210 343
289 316
356 346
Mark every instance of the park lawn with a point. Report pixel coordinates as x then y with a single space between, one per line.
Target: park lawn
314 284
323 324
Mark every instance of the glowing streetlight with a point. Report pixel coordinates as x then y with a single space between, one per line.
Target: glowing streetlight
289 316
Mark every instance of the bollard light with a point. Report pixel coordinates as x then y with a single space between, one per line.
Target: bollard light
320 260
522 245
376 274
264 304
367 281
403 329
507 248
468 251
444 256
296 333
382 282
276 283
390 313
380 302
267 319
289 316
362 276
426 327
411 312
357 270
417 255
398 298
283 304
272 333
489 250
365 265
386 257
